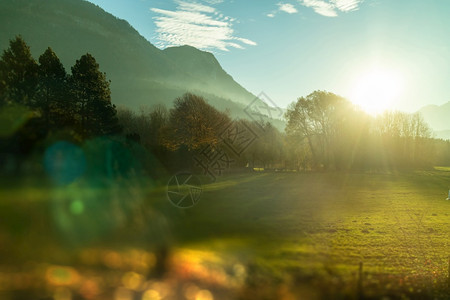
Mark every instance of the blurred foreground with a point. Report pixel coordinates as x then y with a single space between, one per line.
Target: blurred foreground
253 236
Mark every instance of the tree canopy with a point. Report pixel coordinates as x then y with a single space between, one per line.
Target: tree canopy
18 74
80 101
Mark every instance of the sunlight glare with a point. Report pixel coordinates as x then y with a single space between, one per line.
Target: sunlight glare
377 90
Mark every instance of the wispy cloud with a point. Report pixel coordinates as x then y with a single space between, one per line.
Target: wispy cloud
247 41
321 7
331 8
195 7
213 1
283 7
347 5
287 7
198 25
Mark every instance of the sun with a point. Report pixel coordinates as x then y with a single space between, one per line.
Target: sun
376 90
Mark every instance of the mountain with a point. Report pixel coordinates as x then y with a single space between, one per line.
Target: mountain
140 73
206 69
438 118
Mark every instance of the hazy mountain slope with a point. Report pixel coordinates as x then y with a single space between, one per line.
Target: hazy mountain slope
438 117
205 68
442 134
140 73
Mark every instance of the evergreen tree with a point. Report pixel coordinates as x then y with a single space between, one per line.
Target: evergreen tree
53 99
18 74
91 90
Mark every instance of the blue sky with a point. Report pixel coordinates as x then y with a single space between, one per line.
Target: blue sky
290 48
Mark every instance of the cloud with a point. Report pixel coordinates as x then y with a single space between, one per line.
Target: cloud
213 1
246 41
347 5
321 7
195 7
197 25
331 8
288 8
283 7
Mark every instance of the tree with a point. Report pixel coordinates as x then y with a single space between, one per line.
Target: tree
298 127
53 99
91 90
267 149
158 118
194 123
404 137
149 125
18 74
320 119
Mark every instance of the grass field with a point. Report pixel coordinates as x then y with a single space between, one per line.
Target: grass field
251 236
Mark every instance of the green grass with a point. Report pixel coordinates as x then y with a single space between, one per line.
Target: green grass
289 230
325 224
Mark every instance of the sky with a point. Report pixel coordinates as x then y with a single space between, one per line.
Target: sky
380 54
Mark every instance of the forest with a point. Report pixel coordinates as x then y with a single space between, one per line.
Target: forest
42 104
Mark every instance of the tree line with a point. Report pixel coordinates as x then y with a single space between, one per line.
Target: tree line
177 135
334 134
39 99
323 132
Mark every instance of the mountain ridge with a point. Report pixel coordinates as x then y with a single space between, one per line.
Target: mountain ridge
437 116
140 73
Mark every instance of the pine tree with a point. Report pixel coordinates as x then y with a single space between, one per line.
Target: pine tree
18 74
91 90
53 98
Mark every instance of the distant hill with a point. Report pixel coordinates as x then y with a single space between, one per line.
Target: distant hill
438 117
140 73
442 134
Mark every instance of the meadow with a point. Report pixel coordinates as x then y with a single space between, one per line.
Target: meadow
259 235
